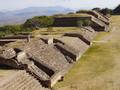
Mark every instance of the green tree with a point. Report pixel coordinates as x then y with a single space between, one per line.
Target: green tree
84 22
106 11
39 22
12 30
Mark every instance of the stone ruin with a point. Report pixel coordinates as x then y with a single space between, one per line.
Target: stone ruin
99 21
40 63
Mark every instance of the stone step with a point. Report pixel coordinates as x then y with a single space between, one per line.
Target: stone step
18 83
41 75
13 80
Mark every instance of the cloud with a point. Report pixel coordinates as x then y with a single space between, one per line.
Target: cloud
79 4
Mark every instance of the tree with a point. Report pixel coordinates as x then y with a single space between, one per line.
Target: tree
85 22
117 10
106 11
97 9
12 30
82 11
39 22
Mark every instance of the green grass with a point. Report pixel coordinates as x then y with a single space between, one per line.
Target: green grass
54 31
101 35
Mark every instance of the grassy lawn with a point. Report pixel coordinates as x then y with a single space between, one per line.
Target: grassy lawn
99 67
101 35
54 30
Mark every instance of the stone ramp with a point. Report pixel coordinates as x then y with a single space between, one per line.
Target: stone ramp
68 52
99 25
102 17
87 34
21 80
98 15
20 60
76 46
30 66
47 54
47 59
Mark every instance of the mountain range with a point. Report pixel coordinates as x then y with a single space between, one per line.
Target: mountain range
20 16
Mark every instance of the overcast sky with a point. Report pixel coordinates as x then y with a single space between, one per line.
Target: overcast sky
73 4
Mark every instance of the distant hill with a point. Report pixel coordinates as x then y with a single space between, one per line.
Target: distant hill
19 16
117 10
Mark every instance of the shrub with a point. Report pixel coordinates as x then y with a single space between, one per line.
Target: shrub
106 11
12 29
116 11
82 11
50 29
97 9
84 22
39 22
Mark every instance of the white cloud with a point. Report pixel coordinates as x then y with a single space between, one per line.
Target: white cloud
17 4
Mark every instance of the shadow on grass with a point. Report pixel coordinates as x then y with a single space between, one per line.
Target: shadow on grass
5 67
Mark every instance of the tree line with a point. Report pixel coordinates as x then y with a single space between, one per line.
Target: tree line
30 25
105 11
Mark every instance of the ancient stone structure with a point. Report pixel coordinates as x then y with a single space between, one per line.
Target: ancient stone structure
87 34
43 61
98 21
73 45
9 39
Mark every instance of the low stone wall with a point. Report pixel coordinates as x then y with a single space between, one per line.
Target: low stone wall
68 21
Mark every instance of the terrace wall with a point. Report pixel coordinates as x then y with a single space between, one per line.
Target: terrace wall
68 21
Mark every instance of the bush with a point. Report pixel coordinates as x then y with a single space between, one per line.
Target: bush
39 22
50 29
82 11
97 9
116 11
12 30
106 11
84 23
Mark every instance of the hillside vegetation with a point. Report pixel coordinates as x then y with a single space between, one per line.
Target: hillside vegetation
44 25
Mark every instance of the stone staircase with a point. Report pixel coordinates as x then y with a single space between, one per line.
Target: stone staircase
21 81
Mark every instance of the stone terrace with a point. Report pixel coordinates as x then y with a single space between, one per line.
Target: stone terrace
45 53
75 44
87 34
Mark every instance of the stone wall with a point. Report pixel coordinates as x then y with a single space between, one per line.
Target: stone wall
68 21
97 20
